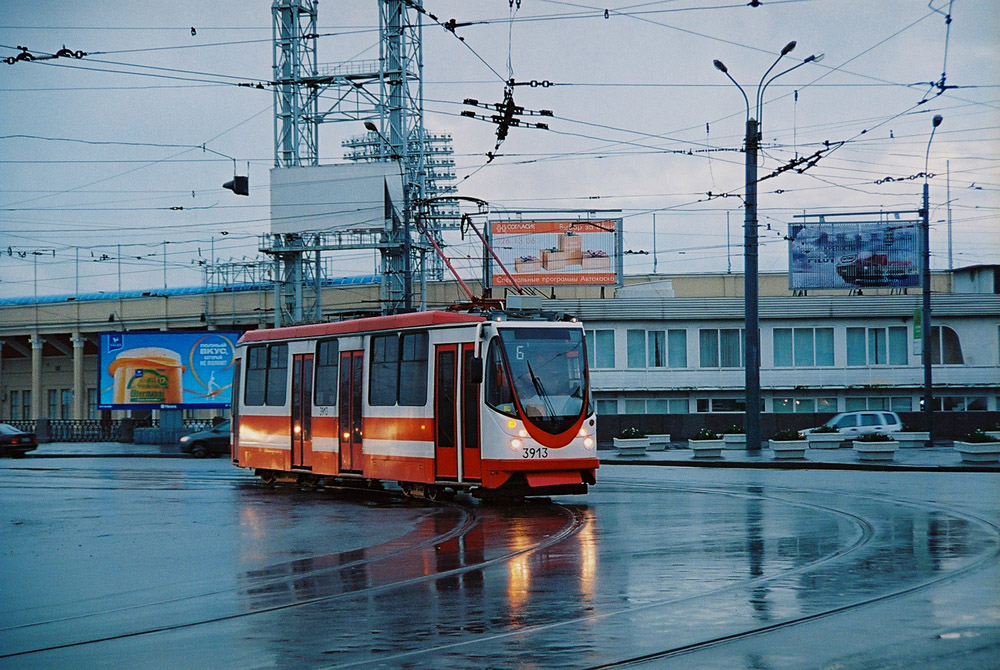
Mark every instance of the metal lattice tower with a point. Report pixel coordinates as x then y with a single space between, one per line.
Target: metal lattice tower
387 93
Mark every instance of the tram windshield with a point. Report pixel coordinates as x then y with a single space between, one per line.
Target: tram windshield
547 367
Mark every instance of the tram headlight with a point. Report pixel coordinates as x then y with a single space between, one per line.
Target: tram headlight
516 444
588 442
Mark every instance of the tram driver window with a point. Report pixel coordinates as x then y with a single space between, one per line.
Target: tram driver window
498 392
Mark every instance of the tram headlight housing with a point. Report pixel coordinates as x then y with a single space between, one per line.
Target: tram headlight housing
588 442
516 444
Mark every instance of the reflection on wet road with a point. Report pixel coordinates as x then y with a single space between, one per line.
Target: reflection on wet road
186 563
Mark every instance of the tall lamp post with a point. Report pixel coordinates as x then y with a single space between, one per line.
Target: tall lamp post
925 287
750 282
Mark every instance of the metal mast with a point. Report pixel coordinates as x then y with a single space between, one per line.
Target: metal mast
386 95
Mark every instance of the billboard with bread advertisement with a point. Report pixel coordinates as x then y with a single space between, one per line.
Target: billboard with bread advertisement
166 370
557 253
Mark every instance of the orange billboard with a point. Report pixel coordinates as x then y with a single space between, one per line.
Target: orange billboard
557 253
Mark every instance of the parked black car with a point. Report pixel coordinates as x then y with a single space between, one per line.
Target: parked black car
211 442
14 442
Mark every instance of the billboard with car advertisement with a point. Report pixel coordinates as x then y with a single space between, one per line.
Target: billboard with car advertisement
165 370
557 253
824 255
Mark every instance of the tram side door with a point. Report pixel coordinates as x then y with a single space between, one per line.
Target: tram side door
472 468
302 375
350 414
446 411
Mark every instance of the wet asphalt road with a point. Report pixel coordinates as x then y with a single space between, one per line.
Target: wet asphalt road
111 563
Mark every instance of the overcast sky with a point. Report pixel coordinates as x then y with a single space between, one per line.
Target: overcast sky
98 154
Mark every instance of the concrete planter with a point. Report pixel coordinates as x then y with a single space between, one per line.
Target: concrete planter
631 446
824 440
735 440
912 440
978 452
788 449
876 451
707 448
658 441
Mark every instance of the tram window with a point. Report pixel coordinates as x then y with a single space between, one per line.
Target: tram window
384 381
327 358
413 369
256 375
277 374
498 391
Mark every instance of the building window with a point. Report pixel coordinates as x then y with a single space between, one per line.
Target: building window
803 405
636 348
721 405
607 407
92 411
327 361
894 403
677 353
15 405
26 410
803 347
721 348
66 406
944 339
876 346
963 404
635 406
601 348
53 408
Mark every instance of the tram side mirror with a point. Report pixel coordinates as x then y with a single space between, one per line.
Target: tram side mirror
476 370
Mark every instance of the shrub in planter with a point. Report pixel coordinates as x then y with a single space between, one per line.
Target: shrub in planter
706 434
734 430
875 447
631 433
874 437
788 436
978 437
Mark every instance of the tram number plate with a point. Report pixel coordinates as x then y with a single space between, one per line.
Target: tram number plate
535 452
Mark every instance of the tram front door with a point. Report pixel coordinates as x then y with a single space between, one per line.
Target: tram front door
456 414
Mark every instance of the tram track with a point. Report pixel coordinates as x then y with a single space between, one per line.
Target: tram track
470 518
863 540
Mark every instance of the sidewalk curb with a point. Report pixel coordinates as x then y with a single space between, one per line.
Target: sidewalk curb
808 465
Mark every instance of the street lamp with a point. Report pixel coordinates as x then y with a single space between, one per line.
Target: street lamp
925 287
407 267
750 289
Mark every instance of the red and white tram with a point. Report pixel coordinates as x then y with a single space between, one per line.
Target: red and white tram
435 401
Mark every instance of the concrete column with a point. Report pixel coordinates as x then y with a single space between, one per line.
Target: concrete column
36 377
79 390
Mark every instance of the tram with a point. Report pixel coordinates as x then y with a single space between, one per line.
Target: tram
436 401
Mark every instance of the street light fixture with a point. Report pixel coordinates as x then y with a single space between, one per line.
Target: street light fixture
925 287
750 281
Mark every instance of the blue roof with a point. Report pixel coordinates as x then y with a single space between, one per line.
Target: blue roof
361 280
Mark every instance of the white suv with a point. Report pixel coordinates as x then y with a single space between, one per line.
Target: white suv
857 423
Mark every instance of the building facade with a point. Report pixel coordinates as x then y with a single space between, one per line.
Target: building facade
662 345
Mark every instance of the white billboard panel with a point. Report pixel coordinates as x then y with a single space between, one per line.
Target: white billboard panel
852 254
334 197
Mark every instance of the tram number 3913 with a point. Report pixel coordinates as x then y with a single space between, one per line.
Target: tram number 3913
535 452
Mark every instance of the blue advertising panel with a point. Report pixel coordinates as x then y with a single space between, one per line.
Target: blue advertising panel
166 370
851 254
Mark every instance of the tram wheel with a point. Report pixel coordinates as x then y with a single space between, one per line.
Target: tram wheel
266 476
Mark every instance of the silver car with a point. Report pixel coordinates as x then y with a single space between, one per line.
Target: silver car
858 423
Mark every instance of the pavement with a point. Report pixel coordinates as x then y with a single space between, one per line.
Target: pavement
939 458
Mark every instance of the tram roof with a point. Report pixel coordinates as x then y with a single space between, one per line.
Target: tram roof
364 324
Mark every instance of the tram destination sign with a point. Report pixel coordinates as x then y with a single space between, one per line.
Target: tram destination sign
557 252
180 370
852 254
